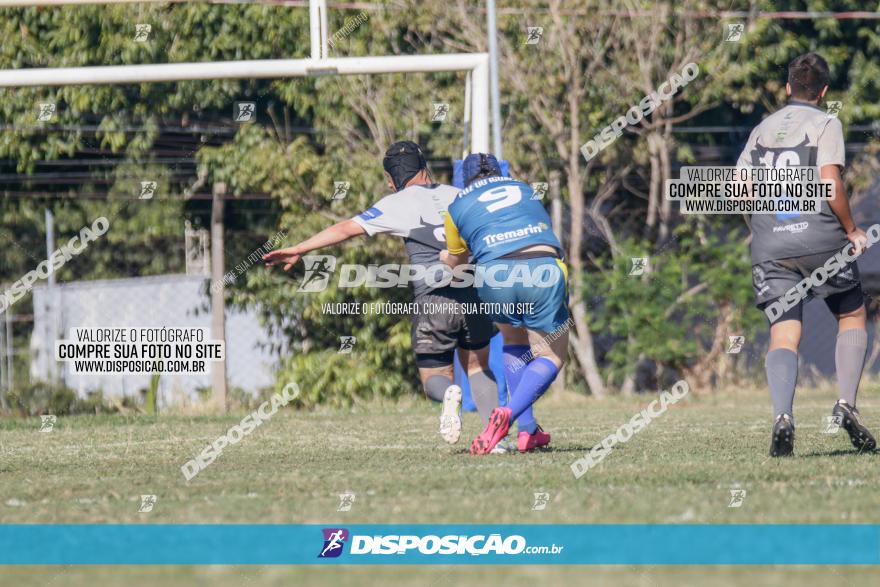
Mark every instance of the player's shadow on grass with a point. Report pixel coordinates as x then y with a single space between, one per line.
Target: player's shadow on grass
549 449
839 452
546 450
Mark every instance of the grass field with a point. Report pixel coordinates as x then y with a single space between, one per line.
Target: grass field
680 469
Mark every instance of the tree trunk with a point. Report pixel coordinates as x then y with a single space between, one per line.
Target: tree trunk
582 346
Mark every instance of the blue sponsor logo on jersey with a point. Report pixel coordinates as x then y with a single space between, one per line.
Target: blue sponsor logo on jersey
512 235
370 214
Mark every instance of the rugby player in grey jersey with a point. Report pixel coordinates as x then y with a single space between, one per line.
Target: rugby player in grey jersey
415 212
786 248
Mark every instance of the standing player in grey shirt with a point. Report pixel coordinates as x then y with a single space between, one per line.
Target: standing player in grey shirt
786 248
416 212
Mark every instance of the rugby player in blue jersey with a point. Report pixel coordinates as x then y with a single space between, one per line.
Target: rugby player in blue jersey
415 213
519 270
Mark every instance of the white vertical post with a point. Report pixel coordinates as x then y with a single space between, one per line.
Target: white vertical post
218 299
315 28
480 109
492 31
3 390
318 28
466 144
10 359
51 332
325 35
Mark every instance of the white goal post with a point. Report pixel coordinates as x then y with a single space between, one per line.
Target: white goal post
475 64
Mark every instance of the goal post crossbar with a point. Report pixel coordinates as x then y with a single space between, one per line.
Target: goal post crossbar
476 64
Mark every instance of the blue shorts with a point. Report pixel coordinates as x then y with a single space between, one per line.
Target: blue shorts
525 293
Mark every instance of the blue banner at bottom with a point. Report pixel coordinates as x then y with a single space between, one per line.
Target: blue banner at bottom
627 544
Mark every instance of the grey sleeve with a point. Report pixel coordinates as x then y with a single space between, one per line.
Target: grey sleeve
832 150
379 218
745 158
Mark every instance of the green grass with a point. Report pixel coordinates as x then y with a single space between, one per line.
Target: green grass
680 469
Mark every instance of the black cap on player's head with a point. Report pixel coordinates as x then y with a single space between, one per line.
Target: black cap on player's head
403 161
479 166
808 75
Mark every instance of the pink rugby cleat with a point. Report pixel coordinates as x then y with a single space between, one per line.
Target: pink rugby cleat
528 442
499 424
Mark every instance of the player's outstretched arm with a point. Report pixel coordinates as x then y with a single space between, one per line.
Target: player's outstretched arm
840 206
339 232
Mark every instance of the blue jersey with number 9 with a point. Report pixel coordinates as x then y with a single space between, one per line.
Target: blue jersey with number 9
497 216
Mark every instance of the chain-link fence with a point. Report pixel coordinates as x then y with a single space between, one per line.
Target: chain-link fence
31 325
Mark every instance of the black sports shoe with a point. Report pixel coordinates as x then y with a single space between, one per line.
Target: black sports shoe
782 443
851 421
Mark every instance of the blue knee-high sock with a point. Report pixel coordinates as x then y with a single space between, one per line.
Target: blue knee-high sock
535 380
514 367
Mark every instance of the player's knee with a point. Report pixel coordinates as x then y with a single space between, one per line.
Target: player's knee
789 338
556 358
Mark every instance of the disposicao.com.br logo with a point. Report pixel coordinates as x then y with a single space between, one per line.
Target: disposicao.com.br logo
334 540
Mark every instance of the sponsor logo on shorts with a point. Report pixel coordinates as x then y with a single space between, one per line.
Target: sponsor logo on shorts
792 228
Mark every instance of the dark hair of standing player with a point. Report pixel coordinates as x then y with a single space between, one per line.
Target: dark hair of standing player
808 75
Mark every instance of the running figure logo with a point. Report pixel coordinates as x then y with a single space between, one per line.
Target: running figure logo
737 497
147 503
346 344
534 35
346 500
340 189
148 190
334 540
735 32
834 108
639 265
319 268
735 344
541 501
47 111
244 111
142 32
831 424
539 190
440 112
47 422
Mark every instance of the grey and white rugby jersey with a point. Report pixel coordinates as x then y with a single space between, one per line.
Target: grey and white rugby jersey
798 135
416 214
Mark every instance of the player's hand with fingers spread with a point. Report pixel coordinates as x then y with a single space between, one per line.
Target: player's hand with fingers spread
859 240
289 256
